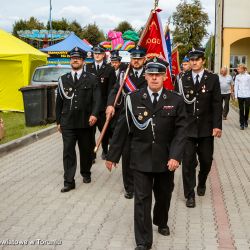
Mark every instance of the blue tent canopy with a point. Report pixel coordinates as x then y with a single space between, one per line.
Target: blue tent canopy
68 44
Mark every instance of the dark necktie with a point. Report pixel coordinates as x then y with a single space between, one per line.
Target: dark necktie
136 74
155 99
75 78
197 80
97 67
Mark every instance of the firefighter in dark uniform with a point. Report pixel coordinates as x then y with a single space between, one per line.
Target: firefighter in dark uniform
201 92
156 121
77 108
136 75
116 63
106 79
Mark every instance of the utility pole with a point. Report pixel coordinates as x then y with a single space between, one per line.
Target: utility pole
50 21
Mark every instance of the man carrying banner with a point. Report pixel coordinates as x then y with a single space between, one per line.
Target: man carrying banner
135 80
154 119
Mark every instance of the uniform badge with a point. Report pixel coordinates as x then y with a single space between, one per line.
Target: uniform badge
187 95
66 92
189 78
102 80
68 76
203 89
145 113
191 91
205 76
164 96
70 89
144 95
140 117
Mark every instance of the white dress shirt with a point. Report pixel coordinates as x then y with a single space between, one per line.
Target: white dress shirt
195 74
242 85
100 64
225 84
139 71
79 72
152 96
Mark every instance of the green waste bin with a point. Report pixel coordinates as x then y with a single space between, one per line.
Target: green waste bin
51 102
35 104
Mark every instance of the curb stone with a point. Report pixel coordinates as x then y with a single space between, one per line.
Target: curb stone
26 140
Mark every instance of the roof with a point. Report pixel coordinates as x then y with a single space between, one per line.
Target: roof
11 45
68 44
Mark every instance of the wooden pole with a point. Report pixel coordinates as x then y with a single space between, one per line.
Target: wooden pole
108 119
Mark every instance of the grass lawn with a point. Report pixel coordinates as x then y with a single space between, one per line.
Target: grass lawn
14 126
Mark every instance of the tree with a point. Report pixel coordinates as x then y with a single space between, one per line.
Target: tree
190 23
59 24
30 24
209 52
93 34
124 26
76 28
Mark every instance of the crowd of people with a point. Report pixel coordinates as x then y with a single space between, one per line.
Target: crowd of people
154 130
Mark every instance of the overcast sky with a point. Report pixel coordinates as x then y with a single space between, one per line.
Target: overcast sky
106 14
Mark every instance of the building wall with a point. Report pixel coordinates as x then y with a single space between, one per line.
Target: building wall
236 14
231 36
232 25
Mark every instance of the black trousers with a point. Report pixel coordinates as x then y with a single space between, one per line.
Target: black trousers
202 147
83 137
162 184
244 104
225 101
127 172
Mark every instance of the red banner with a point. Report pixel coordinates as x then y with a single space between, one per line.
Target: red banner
154 41
175 62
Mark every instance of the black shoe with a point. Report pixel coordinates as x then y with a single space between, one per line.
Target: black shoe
241 127
129 195
86 179
103 156
201 190
190 202
67 188
246 125
142 247
164 231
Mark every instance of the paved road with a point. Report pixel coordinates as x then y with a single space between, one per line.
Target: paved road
96 216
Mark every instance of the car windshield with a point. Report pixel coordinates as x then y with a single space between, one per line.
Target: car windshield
49 74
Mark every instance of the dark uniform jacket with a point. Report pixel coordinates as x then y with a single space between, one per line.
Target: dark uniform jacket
206 113
75 113
106 78
139 82
121 68
151 153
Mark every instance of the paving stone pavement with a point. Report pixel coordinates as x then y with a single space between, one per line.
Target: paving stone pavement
96 216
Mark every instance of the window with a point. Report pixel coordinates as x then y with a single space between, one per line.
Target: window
235 60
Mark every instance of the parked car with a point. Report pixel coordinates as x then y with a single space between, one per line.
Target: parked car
49 74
